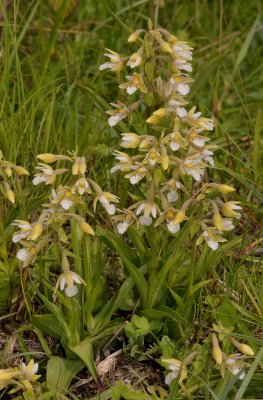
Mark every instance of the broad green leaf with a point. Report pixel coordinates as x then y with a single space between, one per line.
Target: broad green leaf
85 352
47 324
60 373
104 316
134 272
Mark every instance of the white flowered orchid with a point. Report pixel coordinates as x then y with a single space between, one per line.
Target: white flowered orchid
149 210
126 219
115 62
124 164
47 175
135 59
235 365
176 367
138 174
134 83
29 371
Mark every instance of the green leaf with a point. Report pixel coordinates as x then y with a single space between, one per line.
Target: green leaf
85 352
60 373
47 324
134 272
164 312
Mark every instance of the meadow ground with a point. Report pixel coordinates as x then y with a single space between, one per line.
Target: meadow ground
53 100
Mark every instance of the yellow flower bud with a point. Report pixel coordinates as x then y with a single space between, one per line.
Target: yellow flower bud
134 36
20 170
50 158
8 171
82 165
36 231
9 193
75 167
225 189
86 228
217 220
165 46
217 353
243 348
161 112
47 158
153 119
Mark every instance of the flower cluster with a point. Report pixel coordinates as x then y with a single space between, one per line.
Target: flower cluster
167 156
233 362
66 203
7 169
21 377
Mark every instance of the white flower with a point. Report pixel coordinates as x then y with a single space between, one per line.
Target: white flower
82 186
229 209
130 140
66 282
24 232
181 112
227 225
47 174
138 174
152 157
126 220
212 243
235 366
212 238
106 198
114 63
134 83
149 209
124 164
172 196
135 59
121 112
173 228
29 371
175 366
27 255
66 203
183 89
176 141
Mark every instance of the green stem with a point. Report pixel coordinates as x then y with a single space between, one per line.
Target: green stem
153 12
87 270
76 248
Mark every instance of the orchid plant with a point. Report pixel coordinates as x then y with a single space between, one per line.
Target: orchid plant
166 158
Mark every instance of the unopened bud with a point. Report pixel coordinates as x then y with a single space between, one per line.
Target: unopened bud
153 119
161 112
134 36
9 193
36 231
20 170
86 228
75 166
243 348
82 165
50 158
217 220
8 171
225 189
217 353
165 46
